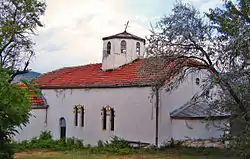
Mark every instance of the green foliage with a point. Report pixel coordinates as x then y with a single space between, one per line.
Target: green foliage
117 142
45 141
115 145
187 43
14 112
45 135
18 21
233 25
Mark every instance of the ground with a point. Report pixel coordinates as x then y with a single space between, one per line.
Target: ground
85 155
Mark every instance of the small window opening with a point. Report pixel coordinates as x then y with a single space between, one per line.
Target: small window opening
104 118
62 123
109 48
76 115
138 48
123 46
112 119
197 81
82 116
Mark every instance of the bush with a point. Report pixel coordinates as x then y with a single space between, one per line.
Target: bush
45 135
117 142
116 145
45 141
6 150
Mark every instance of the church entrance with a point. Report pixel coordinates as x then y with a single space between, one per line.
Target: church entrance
62 123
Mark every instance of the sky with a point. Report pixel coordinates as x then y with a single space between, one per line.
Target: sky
73 29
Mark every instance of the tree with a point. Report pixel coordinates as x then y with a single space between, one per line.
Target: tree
233 25
187 42
18 22
14 111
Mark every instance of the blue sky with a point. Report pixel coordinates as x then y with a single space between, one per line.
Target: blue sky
74 29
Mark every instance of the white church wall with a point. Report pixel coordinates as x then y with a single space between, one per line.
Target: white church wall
197 129
37 124
133 113
172 101
116 58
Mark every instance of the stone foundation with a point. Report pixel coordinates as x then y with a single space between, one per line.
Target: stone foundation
204 143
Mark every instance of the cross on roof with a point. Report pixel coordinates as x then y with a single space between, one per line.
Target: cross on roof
126 26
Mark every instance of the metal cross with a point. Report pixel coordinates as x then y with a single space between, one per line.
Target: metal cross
126 26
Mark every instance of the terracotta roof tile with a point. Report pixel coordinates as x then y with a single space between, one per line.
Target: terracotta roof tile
35 100
92 75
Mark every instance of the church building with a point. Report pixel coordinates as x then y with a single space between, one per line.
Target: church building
96 101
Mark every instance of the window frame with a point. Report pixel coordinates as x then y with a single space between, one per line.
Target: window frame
104 118
112 119
138 48
82 116
197 81
123 46
109 46
76 116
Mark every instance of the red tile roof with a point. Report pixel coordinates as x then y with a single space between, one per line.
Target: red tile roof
34 99
92 75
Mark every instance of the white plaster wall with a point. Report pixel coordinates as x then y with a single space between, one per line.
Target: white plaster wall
197 129
133 113
116 58
170 101
35 127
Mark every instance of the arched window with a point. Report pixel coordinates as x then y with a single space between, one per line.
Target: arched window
138 47
112 119
82 116
197 81
62 124
123 46
109 48
104 118
76 115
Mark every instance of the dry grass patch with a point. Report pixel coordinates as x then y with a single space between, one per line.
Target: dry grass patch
37 154
87 155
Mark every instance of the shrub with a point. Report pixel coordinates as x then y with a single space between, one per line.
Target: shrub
116 145
6 150
45 141
117 142
45 135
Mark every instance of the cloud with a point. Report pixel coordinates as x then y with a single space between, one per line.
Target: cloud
204 7
74 29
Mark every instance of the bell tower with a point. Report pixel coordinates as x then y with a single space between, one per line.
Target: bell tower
121 49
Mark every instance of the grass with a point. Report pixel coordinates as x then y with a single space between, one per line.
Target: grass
173 154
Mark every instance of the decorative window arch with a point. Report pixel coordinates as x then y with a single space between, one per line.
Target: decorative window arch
78 110
108 111
123 46
109 48
138 48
